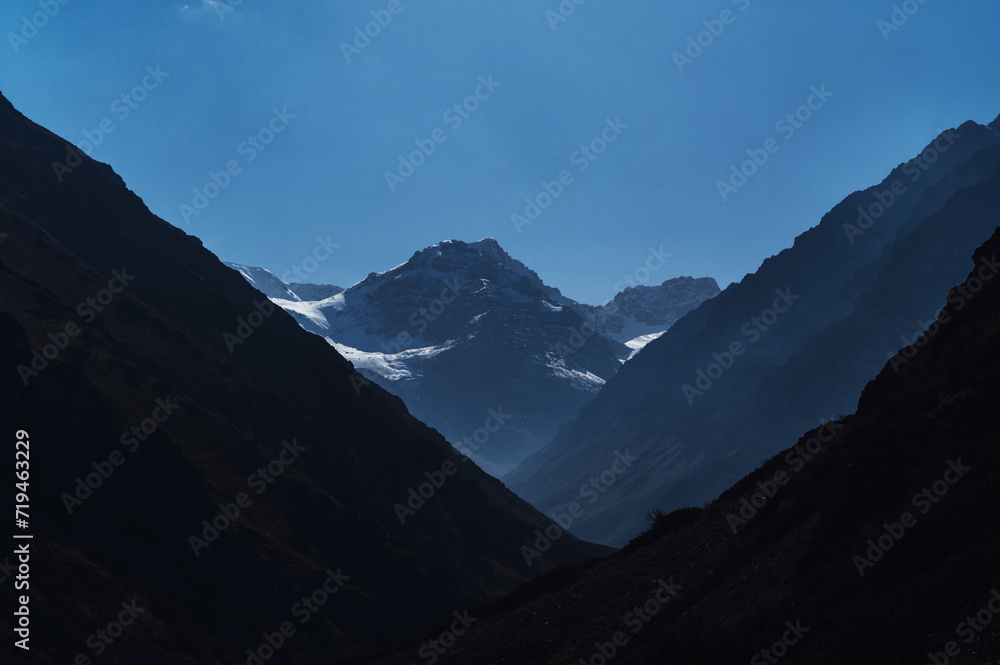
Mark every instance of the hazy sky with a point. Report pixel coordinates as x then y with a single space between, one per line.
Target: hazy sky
556 86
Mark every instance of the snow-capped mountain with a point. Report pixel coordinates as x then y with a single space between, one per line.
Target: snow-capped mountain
271 285
640 314
476 344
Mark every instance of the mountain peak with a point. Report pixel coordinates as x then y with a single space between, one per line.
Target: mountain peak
274 287
459 259
673 285
639 314
488 246
264 281
5 103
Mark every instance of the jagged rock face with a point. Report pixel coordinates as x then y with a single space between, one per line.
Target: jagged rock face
666 303
638 315
464 333
814 324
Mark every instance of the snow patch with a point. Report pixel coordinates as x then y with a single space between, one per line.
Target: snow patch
638 343
586 381
391 366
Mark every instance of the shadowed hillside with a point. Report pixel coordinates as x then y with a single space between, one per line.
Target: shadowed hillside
199 454
873 540
785 349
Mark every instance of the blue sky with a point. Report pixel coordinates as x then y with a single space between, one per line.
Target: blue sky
323 175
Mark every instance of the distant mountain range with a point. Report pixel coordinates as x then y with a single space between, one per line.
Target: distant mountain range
639 314
871 540
782 351
478 346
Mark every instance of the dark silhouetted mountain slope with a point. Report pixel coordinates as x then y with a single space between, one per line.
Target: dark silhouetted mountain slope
810 327
875 539
197 453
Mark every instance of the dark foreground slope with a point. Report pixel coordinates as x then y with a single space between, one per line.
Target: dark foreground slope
811 326
879 545
116 496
